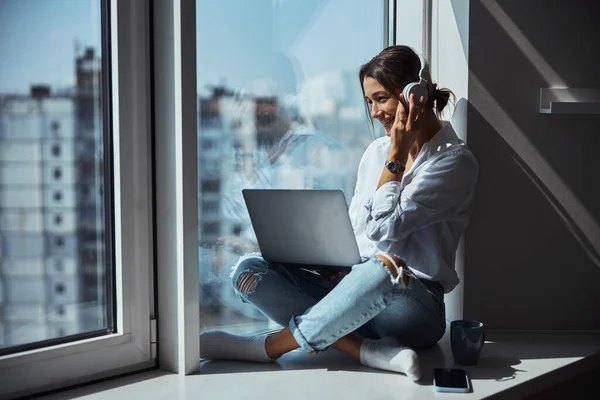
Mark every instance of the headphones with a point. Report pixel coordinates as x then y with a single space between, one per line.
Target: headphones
419 88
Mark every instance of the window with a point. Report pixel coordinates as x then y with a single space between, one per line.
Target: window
208 144
39 113
57 173
290 68
56 150
280 94
210 186
69 263
58 219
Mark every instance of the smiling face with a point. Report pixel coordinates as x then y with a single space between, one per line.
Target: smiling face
382 104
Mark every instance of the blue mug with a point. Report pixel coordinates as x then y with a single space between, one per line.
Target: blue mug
466 339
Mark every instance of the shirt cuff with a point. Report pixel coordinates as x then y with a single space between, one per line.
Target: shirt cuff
384 201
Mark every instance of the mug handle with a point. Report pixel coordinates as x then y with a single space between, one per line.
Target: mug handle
483 343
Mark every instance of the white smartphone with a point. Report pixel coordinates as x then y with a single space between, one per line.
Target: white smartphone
451 380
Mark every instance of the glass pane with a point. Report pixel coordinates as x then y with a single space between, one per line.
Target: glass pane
409 20
279 106
53 258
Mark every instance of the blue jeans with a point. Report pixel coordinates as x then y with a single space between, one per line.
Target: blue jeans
366 301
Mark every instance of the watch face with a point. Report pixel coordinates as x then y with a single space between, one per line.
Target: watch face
393 167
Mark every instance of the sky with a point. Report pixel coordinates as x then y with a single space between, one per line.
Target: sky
287 41
259 46
37 41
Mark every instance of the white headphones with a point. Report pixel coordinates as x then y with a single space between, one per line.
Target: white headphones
419 88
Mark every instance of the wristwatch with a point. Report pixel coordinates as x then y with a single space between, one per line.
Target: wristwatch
394 167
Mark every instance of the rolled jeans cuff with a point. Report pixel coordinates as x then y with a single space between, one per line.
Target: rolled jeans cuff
301 339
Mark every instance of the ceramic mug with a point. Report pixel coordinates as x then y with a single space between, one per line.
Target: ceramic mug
466 339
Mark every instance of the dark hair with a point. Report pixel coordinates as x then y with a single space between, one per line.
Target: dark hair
395 67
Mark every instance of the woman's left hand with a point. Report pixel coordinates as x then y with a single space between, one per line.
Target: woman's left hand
406 126
332 276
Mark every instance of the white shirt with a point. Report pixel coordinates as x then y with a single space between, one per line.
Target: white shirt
420 219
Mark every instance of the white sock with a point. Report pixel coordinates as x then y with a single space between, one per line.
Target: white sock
220 345
387 354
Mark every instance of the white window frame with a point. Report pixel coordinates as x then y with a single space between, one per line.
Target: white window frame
130 348
175 116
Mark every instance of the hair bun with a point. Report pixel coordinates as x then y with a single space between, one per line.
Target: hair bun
441 97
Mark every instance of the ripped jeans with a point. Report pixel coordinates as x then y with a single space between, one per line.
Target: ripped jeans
366 301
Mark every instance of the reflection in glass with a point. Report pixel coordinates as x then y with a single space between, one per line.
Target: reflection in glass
279 106
52 248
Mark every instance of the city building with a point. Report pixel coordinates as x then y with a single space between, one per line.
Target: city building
51 219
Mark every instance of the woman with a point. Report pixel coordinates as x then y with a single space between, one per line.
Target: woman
411 204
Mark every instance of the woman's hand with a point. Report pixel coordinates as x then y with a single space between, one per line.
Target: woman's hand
238 245
332 276
406 127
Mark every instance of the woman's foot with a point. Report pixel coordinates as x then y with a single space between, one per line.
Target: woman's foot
387 354
220 345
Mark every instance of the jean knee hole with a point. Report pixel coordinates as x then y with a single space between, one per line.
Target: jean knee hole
247 282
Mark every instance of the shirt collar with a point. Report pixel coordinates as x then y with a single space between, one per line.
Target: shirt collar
444 138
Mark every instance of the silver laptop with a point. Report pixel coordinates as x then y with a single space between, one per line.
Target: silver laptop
305 228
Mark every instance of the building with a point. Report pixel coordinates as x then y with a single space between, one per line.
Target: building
51 219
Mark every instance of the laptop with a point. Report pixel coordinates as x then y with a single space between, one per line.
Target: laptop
308 229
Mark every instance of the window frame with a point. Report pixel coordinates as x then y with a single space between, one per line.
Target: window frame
175 115
130 348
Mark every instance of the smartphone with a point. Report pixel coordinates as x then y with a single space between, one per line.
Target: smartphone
451 380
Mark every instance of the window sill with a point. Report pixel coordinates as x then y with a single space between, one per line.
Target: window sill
512 365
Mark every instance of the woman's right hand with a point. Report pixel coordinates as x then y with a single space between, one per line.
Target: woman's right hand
406 127
239 245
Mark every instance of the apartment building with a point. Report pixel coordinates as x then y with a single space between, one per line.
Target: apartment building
51 225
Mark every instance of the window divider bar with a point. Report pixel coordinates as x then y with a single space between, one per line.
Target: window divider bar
389 22
386 23
393 21
427 29
175 105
